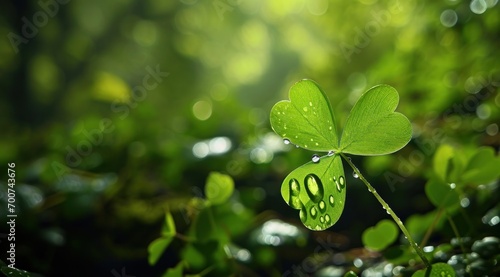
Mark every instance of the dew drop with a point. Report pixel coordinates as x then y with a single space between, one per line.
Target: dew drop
453 185
286 141
315 158
305 109
310 104
342 181
314 187
314 212
321 219
322 206
355 175
338 187
303 214
331 153
331 200
328 219
296 146
294 187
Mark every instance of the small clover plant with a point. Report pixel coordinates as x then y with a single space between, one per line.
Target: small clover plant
208 237
317 189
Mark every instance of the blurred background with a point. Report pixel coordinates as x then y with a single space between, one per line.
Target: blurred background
115 111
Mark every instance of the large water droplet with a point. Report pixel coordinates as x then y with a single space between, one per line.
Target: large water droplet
315 158
355 175
294 187
331 200
314 187
322 206
314 212
286 141
331 153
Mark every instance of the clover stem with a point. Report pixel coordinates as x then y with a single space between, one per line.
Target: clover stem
389 211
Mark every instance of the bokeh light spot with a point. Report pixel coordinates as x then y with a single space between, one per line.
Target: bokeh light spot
202 109
449 18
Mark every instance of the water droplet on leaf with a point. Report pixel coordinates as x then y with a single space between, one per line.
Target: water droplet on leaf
355 175
315 158
314 212
327 219
294 194
303 214
331 200
322 206
331 153
286 141
314 187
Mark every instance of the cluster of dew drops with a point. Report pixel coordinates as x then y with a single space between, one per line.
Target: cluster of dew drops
316 158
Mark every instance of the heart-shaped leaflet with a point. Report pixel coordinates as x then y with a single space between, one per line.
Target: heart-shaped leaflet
317 189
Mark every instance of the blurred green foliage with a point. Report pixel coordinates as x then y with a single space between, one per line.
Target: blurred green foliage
117 111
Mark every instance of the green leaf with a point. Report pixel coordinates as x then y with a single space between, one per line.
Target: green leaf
373 128
158 246
169 226
482 167
307 119
156 249
441 194
443 161
318 191
175 271
381 235
219 187
436 270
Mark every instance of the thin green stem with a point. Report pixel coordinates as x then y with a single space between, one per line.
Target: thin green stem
389 211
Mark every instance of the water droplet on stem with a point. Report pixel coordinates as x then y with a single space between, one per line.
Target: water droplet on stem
315 158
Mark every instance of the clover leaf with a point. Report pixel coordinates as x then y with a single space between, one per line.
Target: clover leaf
307 120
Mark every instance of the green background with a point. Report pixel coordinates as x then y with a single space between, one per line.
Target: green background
91 197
